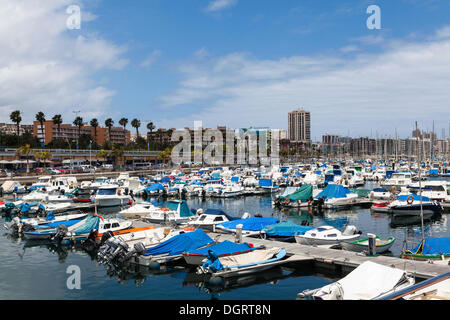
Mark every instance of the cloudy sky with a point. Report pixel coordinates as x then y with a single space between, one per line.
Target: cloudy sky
237 63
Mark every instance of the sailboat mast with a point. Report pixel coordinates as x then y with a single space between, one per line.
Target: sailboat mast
420 191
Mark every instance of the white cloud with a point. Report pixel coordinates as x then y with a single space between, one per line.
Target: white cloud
46 67
151 59
218 5
368 93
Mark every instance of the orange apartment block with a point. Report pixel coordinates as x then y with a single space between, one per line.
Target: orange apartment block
68 131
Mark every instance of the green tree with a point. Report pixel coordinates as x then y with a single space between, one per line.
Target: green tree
94 124
79 123
136 124
40 116
17 119
109 124
26 151
103 154
123 122
57 119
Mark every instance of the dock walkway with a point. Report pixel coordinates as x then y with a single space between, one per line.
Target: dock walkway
347 259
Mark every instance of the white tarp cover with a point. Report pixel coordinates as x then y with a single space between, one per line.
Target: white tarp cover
250 257
368 281
9 185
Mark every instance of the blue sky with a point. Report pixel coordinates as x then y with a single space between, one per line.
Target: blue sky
237 63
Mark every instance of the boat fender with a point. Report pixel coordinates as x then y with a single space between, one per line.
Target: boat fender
410 199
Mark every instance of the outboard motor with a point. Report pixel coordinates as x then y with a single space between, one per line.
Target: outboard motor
114 249
350 230
138 249
15 225
61 232
107 235
91 237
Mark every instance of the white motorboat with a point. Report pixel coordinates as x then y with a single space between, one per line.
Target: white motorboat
111 196
228 191
336 196
398 180
138 210
412 205
433 189
176 211
368 281
380 195
327 235
211 217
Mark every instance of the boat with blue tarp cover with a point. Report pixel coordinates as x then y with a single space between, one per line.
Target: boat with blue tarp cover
429 249
284 231
221 249
173 248
79 227
250 226
336 196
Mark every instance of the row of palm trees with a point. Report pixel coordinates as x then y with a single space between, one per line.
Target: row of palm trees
16 118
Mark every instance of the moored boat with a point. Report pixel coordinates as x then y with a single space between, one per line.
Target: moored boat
367 282
327 235
381 245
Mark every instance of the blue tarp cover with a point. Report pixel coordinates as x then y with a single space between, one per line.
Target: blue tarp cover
250 224
434 246
56 224
90 223
333 191
286 229
416 197
265 182
223 248
181 243
155 187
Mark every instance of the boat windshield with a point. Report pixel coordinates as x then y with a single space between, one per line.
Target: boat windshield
106 192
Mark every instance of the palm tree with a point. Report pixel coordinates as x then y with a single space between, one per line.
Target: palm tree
16 118
103 154
79 123
57 119
40 116
123 122
136 124
150 128
118 154
109 123
26 151
94 124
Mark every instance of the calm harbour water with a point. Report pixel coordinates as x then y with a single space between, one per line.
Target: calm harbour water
38 271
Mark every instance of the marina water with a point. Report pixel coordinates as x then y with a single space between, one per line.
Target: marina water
32 270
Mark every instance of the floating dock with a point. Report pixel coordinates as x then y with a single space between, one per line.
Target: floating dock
342 260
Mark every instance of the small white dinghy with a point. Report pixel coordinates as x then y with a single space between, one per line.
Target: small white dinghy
367 282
